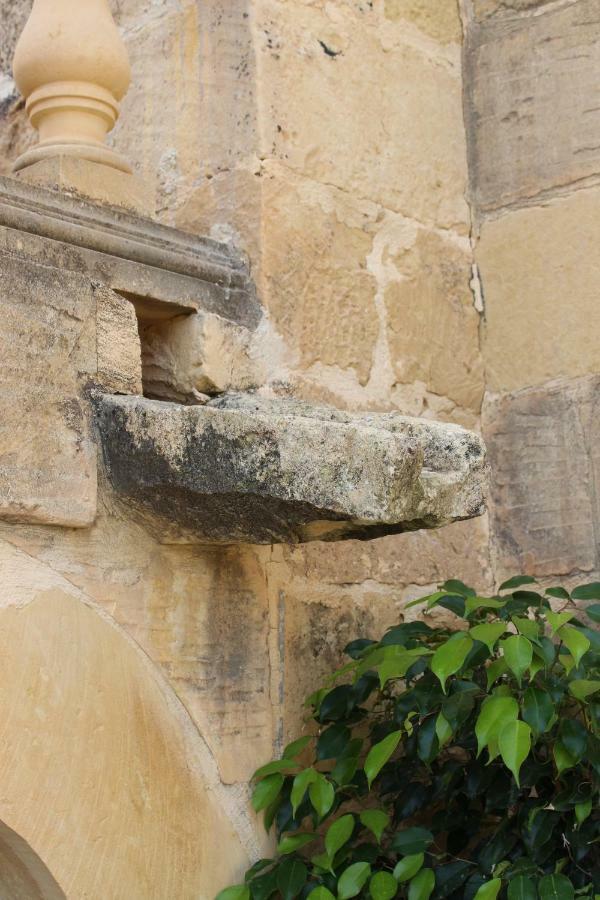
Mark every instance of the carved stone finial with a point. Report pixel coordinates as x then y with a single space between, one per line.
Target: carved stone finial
71 65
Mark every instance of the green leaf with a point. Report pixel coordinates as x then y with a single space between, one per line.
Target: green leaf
296 747
333 742
383 886
495 670
555 887
278 765
474 603
582 688
574 737
516 582
521 888
489 890
557 620
379 754
443 730
594 612
291 878
294 842
514 743
562 757
302 781
321 893
488 634
237 892
576 642
338 834
538 709
395 666
559 592
528 627
518 654
495 714
266 791
449 658
582 811
587 591
422 885
376 821
408 867
412 841
352 880
322 795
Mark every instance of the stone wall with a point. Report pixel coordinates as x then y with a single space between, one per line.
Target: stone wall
533 125
326 140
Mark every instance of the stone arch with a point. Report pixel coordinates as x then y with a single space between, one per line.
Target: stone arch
23 874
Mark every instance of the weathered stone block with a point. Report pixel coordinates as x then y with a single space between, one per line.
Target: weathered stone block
539 270
259 471
439 20
48 352
545 470
533 117
118 343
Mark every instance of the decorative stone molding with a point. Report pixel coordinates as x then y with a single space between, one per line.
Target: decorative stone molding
72 67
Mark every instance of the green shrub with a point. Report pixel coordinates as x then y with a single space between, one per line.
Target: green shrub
449 762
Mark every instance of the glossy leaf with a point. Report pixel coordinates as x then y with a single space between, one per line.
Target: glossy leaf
296 747
338 834
408 867
291 878
266 791
538 709
522 888
557 620
576 642
587 591
443 730
555 887
495 714
450 657
322 795
376 821
302 781
422 885
518 653
593 612
293 842
582 688
517 582
489 890
562 757
412 841
321 893
488 634
583 811
237 892
278 765
383 886
495 671
379 754
353 880
514 743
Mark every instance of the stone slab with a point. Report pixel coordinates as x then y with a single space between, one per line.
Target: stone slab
545 464
246 469
48 352
532 111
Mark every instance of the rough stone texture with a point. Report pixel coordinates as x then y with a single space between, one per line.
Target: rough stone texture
138 787
190 356
539 269
484 8
48 351
118 343
440 21
532 109
433 324
250 470
544 455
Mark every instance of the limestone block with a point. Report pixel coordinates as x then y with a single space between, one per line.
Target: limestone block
314 277
48 351
484 8
93 181
527 135
401 112
258 471
432 322
539 269
118 343
104 776
190 356
438 20
543 445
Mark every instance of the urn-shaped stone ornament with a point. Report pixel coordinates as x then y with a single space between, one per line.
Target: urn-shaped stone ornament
71 66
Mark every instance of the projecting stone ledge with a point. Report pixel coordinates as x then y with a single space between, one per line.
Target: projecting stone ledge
246 469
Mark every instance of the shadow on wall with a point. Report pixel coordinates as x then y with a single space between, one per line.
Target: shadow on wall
23 875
